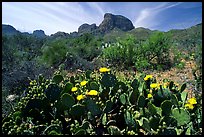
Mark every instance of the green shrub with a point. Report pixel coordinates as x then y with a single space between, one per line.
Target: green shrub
149 54
54 52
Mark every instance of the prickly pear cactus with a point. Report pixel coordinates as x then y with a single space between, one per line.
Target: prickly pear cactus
183 87
161 95
67 100
123 98
154 122
174 100
141 101
181 115
58 78
94 86
152 108
120 87
133 97
129 118
53 92
113 130
108 106
67 88
108 80
93 107
77 110
169 120
146 125
166 107
135 84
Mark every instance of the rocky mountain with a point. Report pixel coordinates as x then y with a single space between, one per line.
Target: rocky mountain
9 30
114 26
109 23
86 28
39 33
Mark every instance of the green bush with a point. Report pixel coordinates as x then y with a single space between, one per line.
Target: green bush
122 52
156 50
53 52
143 55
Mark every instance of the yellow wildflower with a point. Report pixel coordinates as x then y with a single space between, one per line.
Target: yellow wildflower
149 96
192 101
166 84
74 89
148 77
154 85
83 83
104 70
80 97
176 84
189 106
92 92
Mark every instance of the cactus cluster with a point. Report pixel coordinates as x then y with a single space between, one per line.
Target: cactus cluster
88 105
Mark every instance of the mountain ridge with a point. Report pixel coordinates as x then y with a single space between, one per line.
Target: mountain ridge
109 24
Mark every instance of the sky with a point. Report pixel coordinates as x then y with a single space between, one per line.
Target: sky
68 16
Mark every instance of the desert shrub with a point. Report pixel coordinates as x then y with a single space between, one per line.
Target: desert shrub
86 46
53 52
122 52
156 50
143 55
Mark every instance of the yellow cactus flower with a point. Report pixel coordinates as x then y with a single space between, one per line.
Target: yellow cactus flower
92 92
192 101
148 77
74 89
83 83
189 106
149 96
80 97
165 85
154 85
104 70
176 84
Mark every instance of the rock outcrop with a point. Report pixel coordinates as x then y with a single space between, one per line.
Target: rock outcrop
39 33
109 22
86 28
9 30
115 21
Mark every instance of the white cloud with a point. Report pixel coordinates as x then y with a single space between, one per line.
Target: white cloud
49 16
147 16
96 7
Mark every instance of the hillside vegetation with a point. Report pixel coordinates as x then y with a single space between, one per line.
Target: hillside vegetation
102 80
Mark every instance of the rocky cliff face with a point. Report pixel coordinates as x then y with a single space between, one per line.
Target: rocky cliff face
115 21
39 33
109 22
86 28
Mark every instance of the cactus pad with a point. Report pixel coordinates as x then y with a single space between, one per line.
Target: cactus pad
67 100
181 115
57 79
